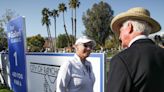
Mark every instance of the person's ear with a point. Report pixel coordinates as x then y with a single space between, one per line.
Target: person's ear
75 47
130 26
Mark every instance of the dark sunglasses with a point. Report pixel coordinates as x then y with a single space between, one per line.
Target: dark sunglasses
86 45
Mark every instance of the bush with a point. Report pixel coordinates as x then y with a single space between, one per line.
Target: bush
4 88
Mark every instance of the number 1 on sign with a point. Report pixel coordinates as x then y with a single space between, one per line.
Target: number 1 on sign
15 56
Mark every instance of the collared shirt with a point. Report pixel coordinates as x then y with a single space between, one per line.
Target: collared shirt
74 76
137 38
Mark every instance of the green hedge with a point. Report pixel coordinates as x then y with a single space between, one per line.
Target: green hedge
3 88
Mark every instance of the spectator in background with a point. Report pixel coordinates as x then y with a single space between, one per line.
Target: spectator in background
159 40
139 67
76 75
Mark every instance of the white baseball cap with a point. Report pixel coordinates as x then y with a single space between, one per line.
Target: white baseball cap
85 39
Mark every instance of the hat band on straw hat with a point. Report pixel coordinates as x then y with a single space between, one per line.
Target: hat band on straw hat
137 13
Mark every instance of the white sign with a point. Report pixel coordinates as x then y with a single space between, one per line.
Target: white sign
42 70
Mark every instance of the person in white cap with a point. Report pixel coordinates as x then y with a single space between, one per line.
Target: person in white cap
139 67
76 75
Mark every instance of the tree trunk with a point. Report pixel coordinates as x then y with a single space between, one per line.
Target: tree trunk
75 22
55 34
72 23
66 31
50 38
72 26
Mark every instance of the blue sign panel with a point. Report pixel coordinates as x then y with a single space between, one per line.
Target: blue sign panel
16 44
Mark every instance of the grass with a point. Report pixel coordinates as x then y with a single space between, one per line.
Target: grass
3 88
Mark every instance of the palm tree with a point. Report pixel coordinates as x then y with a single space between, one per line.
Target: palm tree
46 21
54 13
63 8
74 4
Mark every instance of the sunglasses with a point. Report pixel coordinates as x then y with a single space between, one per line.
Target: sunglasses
86 45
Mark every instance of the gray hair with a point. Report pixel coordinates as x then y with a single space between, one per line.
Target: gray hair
140 26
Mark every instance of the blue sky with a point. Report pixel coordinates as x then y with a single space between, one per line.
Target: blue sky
31 9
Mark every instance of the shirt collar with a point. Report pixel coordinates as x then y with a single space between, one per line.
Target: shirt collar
78 60
77 57
137 38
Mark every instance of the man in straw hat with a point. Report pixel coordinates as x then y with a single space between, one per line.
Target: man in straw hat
139 67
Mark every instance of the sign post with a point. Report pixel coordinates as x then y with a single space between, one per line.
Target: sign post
16 45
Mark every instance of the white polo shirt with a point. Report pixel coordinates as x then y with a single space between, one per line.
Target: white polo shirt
73 76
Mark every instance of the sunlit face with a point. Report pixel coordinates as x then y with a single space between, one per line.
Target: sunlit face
83 50
124 36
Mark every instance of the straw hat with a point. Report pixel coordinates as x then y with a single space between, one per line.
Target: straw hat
137 13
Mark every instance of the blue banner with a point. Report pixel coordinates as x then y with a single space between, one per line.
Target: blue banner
16 45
